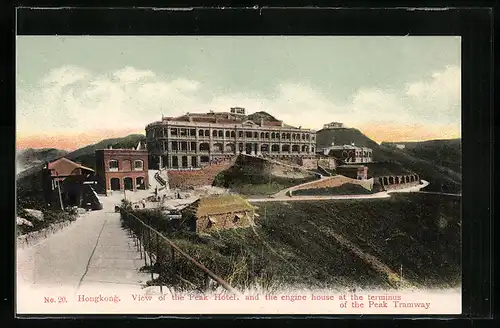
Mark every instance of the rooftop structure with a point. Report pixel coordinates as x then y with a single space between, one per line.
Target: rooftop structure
333 125
219 212
65 183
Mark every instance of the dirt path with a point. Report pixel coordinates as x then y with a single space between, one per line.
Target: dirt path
382 194
305 198
392 277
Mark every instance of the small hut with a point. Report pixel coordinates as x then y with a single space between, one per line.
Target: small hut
219 212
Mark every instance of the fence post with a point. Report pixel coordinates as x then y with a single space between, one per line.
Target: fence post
206 282
143 243
139 237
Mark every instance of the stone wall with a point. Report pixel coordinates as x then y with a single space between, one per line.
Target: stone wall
185 179
275 167
224 221
328 163
34 237
335 181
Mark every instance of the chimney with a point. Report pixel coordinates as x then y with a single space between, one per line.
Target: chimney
261 121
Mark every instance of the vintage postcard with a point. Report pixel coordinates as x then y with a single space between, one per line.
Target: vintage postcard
238 175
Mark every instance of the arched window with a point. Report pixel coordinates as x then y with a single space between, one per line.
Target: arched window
139 183
138 165
214 133
228 134
113 165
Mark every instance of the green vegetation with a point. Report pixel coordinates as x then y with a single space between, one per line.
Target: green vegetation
49 218
293 245
249 180
30 157
441 178
386 169
445 153
261 115
29 189
345 189
343 136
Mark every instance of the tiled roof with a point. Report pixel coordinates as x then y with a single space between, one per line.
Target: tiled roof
65 167
215 205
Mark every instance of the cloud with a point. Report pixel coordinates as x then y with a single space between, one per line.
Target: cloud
130 74
438 98
64 76
74 99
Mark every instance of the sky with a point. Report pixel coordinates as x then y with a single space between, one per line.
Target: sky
72 91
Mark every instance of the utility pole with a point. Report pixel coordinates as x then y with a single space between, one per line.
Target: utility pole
401 273
60 196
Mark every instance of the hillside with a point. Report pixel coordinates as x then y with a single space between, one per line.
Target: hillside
256 177
318 244
445 153
343 136
28 158
255 117
421 158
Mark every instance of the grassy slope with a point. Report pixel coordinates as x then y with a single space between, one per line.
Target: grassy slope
440 178
343 136
252 181
436 161
445 153
291 244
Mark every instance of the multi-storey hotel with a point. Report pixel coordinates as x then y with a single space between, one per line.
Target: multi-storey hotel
196 139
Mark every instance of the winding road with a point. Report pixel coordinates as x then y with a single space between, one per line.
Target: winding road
382 194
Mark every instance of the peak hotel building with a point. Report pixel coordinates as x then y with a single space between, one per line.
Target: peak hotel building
197 139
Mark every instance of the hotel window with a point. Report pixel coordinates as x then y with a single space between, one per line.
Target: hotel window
138 165
113 165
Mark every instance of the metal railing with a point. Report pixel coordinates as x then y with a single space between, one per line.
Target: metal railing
173 265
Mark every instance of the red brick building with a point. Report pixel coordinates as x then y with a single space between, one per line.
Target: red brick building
119 169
